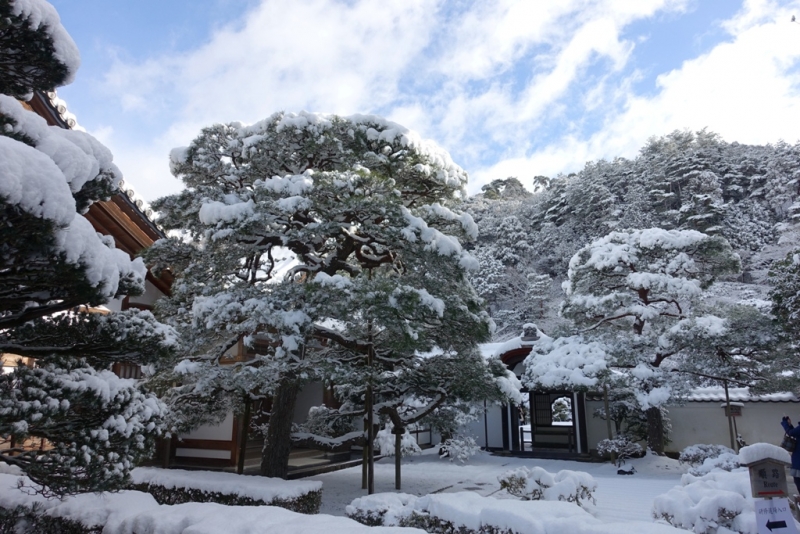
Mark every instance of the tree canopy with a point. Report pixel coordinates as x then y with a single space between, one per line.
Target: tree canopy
328 247
93 426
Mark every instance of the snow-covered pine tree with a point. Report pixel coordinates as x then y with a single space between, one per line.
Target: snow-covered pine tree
747 353
374 272
36 52
785 296
93 426
637 290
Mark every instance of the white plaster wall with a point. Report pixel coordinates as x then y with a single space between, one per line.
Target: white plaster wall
149 297
596 429
494 420
222 431
310 395
114 305
705 422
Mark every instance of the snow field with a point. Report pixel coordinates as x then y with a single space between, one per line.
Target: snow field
468 495
619 498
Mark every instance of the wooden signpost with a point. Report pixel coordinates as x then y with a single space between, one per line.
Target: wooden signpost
770 489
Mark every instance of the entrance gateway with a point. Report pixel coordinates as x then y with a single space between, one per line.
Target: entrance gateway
550 421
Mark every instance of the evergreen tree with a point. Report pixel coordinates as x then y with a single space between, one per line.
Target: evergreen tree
328 247
639 290
92 425
785 296
36 52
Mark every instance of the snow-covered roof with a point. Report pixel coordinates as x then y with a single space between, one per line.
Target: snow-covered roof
763 451
68 120
529 338
717 394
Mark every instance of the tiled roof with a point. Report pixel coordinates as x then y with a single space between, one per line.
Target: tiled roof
717 394
68 120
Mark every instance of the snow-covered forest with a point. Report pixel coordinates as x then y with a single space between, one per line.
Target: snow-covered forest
678 263
683 180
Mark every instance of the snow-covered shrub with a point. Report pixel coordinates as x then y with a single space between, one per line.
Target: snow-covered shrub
176 486
725 462
372 510
461 448
134 512
469 513
33 519
706 458
697 454
622 447
84 513
708 504
536 484
385 442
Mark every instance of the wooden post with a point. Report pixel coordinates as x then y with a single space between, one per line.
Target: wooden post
608 420
486 428
243 433
730 417
364 460
398 445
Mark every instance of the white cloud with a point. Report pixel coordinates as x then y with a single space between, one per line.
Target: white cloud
488 79
746 89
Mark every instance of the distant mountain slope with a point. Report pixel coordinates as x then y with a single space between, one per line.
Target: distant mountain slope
688 180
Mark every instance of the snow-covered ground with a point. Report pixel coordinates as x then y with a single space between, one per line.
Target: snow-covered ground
619 497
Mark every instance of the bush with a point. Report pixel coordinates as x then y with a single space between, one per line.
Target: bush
307 503
177 486
708 504
470 513
372 509
460 448
623 448
536 484
697 454
34 519
706 458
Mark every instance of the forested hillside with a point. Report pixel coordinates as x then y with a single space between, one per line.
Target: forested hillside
746 194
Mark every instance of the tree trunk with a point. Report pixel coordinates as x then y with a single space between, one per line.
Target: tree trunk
244 434
277 442
398 454
655 430
370 442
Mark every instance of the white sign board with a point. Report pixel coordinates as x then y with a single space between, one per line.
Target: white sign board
774 517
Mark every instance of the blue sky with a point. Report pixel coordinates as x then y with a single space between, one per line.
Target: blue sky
509 87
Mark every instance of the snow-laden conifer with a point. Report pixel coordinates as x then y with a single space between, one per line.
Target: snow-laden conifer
68 422
639 290
328 248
